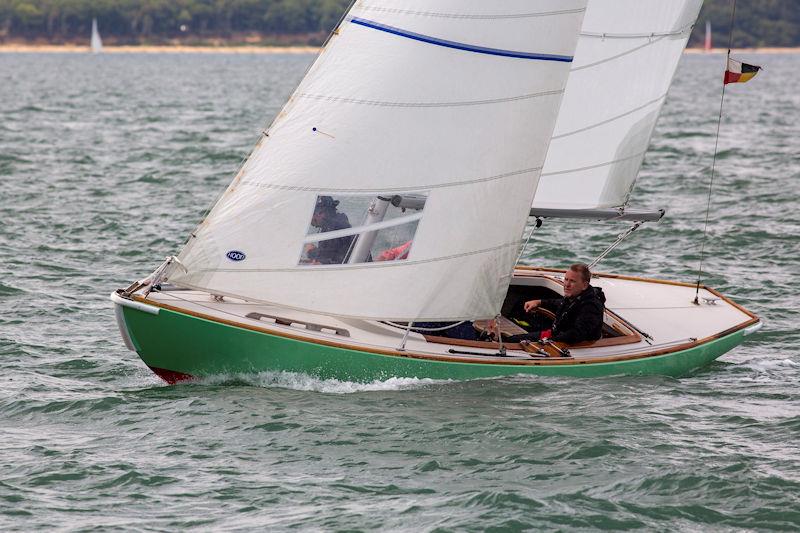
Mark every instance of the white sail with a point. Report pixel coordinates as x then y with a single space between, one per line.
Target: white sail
96 42
624 64
448 105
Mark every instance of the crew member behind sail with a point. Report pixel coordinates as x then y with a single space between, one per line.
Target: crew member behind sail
579 314
327 218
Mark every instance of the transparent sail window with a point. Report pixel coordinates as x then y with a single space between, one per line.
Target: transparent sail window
351 229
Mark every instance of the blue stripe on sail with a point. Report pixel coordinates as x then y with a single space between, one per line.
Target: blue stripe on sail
458 46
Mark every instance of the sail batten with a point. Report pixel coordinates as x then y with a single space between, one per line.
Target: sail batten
626 58
379 114
466 47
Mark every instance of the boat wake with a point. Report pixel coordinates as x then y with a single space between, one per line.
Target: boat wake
767 364
306 382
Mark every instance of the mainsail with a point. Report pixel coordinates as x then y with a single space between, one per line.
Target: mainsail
624 64
432 118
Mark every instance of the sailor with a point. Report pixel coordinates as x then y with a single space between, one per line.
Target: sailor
579 314
327 218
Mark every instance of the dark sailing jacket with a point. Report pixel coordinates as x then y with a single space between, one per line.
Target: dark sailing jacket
579 318
332 251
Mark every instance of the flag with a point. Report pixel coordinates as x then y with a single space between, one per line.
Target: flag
738 72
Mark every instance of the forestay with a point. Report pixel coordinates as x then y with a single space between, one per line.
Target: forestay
624 64
451 103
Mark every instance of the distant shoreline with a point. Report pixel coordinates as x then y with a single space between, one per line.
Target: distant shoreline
764 50
248 49
146 49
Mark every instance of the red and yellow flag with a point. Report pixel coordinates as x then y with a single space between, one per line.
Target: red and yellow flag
738 72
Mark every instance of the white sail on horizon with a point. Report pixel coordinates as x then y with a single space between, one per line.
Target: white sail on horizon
451 101
624 64
96 43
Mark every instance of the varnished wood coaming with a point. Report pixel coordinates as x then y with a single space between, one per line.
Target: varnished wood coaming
489 359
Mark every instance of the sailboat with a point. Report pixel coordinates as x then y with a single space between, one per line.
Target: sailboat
707 43
96 43
432 132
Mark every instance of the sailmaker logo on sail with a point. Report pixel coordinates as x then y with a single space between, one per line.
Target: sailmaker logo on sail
236 255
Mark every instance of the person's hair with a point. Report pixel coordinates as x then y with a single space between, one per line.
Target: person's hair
583 270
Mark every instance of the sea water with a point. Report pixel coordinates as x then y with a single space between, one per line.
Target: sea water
108 161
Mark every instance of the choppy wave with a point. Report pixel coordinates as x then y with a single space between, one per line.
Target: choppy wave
92 439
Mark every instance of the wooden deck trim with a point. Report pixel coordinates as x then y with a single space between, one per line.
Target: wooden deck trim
607 341
486 345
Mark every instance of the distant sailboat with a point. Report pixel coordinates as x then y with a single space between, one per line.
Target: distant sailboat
96 42
707 45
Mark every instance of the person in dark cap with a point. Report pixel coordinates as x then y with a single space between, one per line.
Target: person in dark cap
327 218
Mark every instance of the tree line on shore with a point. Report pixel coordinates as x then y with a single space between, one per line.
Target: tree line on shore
758 22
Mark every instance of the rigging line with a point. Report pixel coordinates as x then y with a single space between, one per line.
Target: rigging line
714 161
537 225
417 329
468 16
383 103
621 237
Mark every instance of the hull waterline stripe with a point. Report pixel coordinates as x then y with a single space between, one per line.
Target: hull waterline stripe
458 46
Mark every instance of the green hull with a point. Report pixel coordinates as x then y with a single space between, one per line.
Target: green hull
179 346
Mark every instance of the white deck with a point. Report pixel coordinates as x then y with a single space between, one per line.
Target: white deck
663 311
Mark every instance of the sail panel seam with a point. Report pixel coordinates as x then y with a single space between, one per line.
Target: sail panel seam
497 16
380 103
612 119
594 166
622 54
392 189
600 35
376 264
457 45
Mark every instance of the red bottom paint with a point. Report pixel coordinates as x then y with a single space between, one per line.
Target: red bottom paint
170 376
